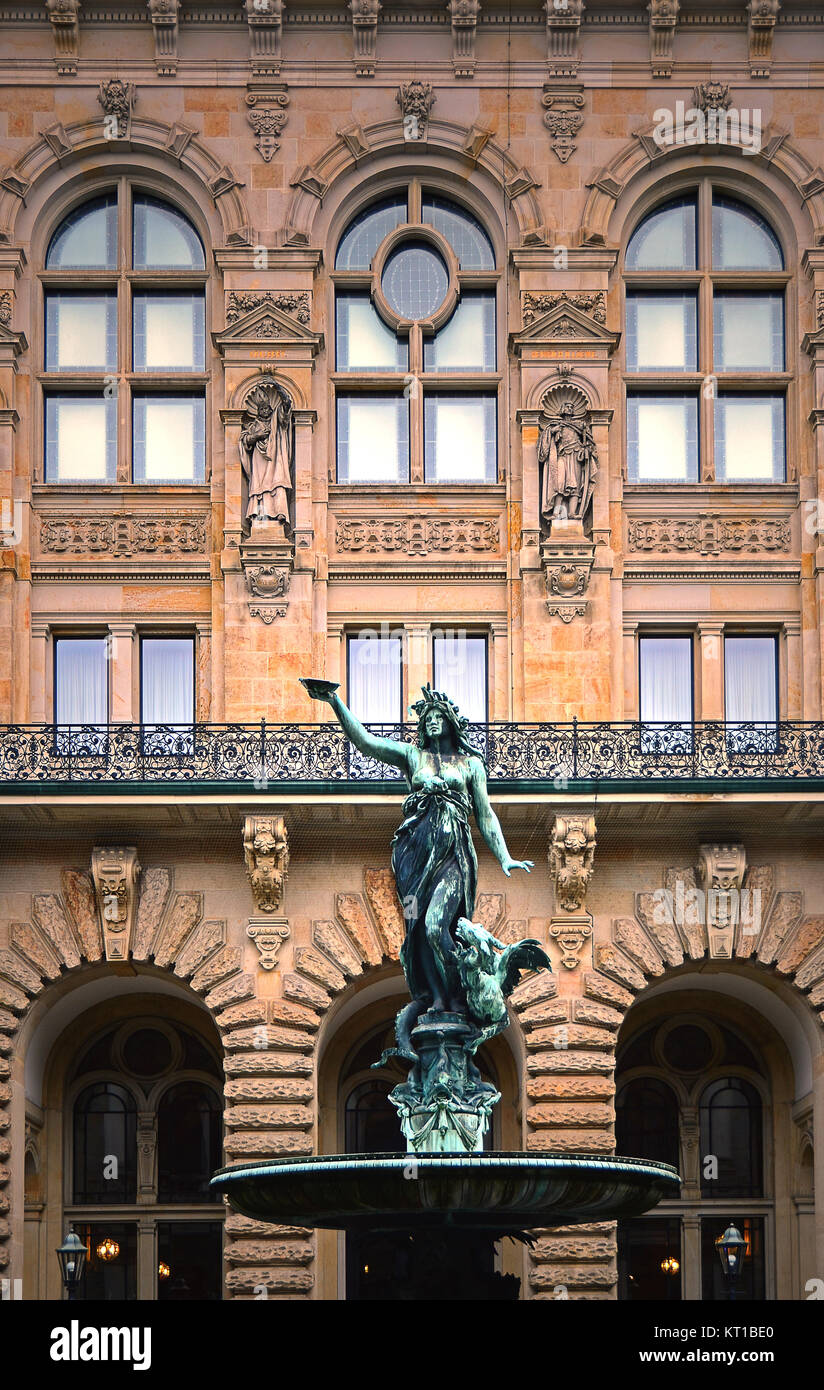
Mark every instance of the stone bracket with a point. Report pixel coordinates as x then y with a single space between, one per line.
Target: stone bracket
164 16
563 118
663 21
762 16
268 934
266 856
265 23
721 870
571 932
115 871
464 15
571 859
563 29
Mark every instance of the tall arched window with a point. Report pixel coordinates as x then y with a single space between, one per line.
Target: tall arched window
731 1131
415 344
124 383
705 344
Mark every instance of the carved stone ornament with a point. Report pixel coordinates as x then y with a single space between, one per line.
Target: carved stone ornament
709 535
267 120
296 303
760 30
663 19
571 934
566 454
712 96
115 871
563 28
268 935
365 34
563 118
268 581
266 452
164 16
117 99
5 307
535 302
122 535
265 21
415 100
558 608
567 580
464 16
266 854
721 870
64 17
571 859
417 536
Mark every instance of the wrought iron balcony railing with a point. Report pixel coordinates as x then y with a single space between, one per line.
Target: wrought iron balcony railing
538 757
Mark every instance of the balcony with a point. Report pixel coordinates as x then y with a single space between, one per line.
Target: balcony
537 758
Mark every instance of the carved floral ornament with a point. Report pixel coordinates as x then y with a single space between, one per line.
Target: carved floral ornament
124 534
418 535
709 535
563 118
296 303
266 856
535 302
267 119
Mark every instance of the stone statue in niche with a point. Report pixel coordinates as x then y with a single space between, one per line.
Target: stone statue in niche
266 452
567 455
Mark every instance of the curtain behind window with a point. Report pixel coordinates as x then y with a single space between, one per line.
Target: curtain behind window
750 678
460 672
81 695
167 680
666 679
375 679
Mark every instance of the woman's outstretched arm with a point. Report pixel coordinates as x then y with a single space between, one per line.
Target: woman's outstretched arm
488 823
386 750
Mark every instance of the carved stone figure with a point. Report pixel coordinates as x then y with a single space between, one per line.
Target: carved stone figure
571 859
266 452
567 455
415 99
266 854
117 99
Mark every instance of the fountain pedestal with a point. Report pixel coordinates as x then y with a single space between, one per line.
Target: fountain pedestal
444 1106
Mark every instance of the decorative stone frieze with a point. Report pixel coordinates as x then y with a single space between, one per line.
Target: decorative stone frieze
663 19
296 303
563 28
415 99
563 118
572 859
164 15
64 17
265 21
721 870
117 99
268 935
365 34
115 871
124 534
417 535
534 303
464 16
709 534
761 21
267 118
266 855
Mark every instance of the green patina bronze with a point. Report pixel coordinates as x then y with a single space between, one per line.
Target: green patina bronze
458 974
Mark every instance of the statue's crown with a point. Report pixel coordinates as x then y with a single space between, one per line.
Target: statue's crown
437 700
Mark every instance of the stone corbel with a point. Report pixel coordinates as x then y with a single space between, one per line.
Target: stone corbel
663 21
117 99
265 21
268 934
266 856
721 870
115 871
563 29
64 17
760 30
464 15
267 118
571 861
563 117
365 34
164 16
415 99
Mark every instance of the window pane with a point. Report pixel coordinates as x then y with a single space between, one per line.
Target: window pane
666 679
374 678
750 669
415 280
459 439
464 233
87 239
460 671
646 1120
81 684
188 1142
164 239
741 240
661 332
662 438
169 333
104 1124
192 1252
730 1125
649 1258
108 1281
467 341
364 343
748 332
81 332
373 439
81 439
169 442
167 684
666 239
749 439
365 233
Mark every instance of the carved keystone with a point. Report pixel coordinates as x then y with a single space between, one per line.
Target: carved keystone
721 870
268 935
115 872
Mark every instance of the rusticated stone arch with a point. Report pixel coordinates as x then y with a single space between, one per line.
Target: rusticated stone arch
265 1042
641 153
358 148
177 144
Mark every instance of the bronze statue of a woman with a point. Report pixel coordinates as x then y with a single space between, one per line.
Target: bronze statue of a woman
456 970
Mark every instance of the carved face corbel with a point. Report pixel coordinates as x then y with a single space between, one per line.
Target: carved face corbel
115 871
266 855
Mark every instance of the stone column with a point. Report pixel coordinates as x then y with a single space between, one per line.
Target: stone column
711 671
418 658
124 703
499 701
42 685
203 673
146 1261
691 1259
632 694
791 673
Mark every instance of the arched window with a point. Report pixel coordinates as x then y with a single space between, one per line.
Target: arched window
146 1137
646 1120
416 344
731 1134
705 344
125 344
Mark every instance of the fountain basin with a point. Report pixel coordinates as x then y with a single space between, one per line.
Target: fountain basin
494 1193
